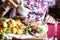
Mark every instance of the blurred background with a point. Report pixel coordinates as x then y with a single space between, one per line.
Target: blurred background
55 10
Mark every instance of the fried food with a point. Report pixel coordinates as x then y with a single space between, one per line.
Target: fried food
18 23
11 23
19 31
9 31
15 26
4 24
14 30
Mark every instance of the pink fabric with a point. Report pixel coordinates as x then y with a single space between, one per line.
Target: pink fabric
50 32
58 31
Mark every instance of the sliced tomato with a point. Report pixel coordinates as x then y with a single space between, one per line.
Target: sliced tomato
1 28
35 27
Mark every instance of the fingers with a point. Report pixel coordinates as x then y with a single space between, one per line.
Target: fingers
50 19
14 3
17 1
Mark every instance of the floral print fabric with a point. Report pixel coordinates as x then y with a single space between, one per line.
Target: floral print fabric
39 8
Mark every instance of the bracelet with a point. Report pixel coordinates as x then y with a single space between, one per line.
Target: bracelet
3 7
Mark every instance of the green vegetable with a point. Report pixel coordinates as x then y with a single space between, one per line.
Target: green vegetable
28 29
40 30
4 30
27 32
2 19
29 25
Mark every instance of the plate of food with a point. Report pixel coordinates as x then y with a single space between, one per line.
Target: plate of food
15 28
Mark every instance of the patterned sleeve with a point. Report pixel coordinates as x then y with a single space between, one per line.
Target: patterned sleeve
50 2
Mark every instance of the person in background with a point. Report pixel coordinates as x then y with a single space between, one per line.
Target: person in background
38 10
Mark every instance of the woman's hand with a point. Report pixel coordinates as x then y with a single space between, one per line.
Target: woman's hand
12 3
5 7
49 19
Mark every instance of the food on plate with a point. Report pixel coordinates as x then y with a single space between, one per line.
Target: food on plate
22 26
19 31
15 26
1 28
11 23
4 24
18 23
9 31
12 26
33 29
14 30
4 31
2 19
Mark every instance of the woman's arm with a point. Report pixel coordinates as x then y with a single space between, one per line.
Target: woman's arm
4 8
